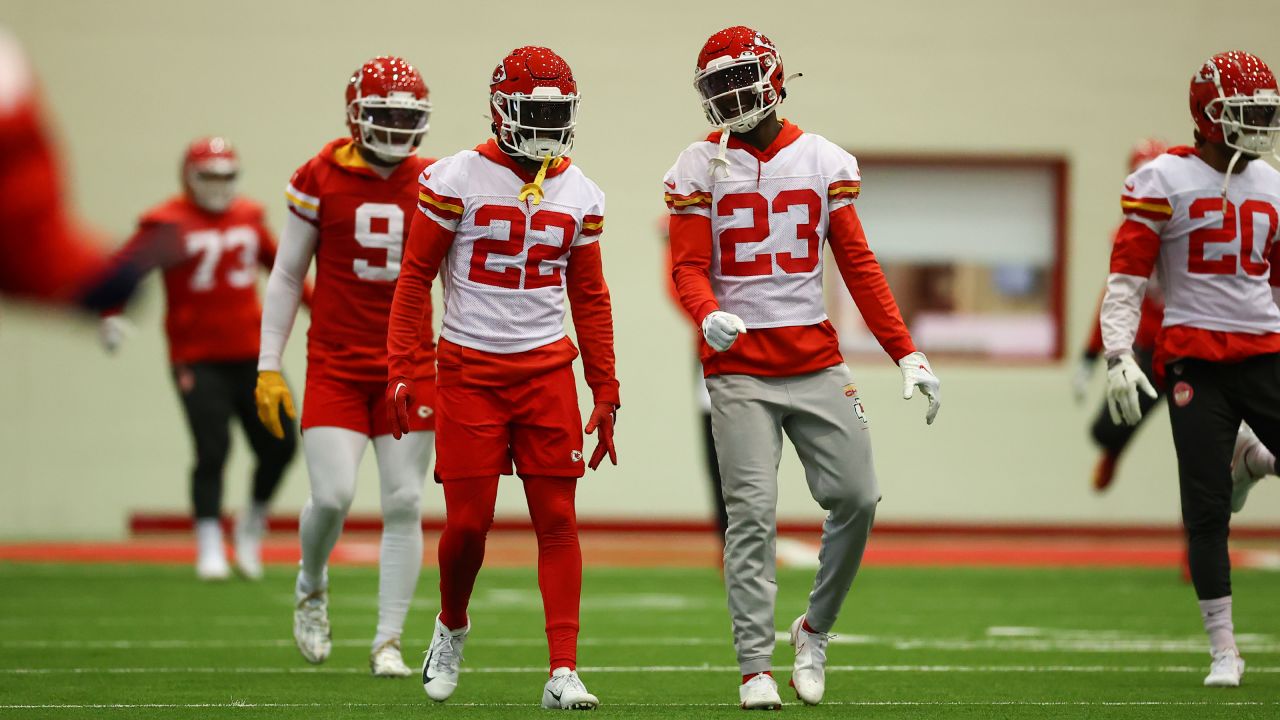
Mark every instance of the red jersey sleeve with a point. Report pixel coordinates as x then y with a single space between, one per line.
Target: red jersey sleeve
302 194
424 250
593 321
867 285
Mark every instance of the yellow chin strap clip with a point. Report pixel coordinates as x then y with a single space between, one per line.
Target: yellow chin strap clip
535 188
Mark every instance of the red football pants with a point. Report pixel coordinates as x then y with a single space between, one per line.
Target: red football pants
469 506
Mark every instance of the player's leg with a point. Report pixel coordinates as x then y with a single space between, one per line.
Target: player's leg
333 459
713 475
746 420
273 456
1205 418
207 402
402 468
1259 441
829 429
471 453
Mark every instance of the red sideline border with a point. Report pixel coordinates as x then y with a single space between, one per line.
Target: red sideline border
142 523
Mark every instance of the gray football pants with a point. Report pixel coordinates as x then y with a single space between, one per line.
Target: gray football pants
822 415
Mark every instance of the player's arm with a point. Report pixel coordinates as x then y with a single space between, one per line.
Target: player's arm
279 309
1133 258
113 326
870 291
424 250
1275 268
268 248
592 311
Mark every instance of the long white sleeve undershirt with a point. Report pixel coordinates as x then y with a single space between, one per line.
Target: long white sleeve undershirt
284 289
1121 312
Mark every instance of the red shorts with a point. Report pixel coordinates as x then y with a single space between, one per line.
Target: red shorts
536 424
362 406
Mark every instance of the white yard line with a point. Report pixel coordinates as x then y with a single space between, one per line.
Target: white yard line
705 668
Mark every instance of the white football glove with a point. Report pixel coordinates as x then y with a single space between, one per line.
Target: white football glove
1080 379
112 331
721 329
1124 380
917 373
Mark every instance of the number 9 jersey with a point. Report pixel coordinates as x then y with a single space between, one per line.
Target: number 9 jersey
362 220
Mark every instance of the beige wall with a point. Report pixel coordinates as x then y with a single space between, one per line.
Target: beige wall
85 438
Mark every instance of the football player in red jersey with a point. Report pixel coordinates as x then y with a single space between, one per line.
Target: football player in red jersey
349 207
751 207
1207 218
45 253
514 226
212 322
1110 436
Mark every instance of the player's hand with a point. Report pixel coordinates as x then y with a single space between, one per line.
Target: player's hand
721 329
400 393
603 419
916 373
1124 380
1080 379
271 393
112 332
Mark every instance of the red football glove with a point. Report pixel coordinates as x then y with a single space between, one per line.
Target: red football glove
603 418
400 394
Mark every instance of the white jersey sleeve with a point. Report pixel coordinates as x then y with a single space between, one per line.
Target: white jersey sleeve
688 183
437 198
593 214
844 179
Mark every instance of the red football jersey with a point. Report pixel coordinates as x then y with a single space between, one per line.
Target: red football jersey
213 308
43 253
362 219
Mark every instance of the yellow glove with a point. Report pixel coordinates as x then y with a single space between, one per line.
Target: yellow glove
271 393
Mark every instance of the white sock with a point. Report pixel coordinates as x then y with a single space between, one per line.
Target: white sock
1216 615
305 586
333 459
1259 460
402 469
209 538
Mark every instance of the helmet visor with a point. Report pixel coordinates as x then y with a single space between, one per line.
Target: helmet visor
735 94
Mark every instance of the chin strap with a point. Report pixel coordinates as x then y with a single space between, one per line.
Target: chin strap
720 163
535 188
1226 182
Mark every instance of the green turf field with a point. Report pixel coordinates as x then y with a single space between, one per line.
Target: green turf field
81 641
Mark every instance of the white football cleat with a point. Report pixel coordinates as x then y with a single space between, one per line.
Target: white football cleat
759 693
440 667
565 691
211 555
248 535
311 626
1226 669
386 661
808 677
1243 477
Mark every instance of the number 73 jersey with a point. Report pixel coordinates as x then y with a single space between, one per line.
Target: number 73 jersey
1216 256
504 275
362 220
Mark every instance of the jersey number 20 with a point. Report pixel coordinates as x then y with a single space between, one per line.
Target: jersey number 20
1227 232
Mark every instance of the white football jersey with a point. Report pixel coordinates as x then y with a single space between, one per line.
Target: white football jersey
1213 267
768 223
504 276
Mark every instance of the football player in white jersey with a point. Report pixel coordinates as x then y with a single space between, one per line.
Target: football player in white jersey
1206 218
513 226
752 207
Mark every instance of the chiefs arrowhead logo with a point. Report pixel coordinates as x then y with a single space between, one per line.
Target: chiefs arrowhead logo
424 412
576 455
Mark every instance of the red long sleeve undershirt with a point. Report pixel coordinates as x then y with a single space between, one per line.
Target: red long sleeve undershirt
793 350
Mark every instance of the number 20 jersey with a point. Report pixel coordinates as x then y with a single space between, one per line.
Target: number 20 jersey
504 276
769 218
1216 267
362 220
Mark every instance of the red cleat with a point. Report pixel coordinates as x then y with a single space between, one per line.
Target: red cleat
1105 471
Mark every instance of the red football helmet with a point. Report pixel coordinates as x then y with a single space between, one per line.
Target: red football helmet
209 170
534 103
1145 151
1234 100
739 78
387 108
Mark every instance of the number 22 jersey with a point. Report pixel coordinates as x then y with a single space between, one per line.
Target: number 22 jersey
362 220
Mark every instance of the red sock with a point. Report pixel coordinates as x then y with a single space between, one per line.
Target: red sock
805 625
746 678
559 562
468 514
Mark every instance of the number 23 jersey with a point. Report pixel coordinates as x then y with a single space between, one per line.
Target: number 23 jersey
362 220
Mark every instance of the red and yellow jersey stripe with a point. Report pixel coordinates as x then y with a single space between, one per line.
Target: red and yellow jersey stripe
1148 208
592 225
442 206
844 189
